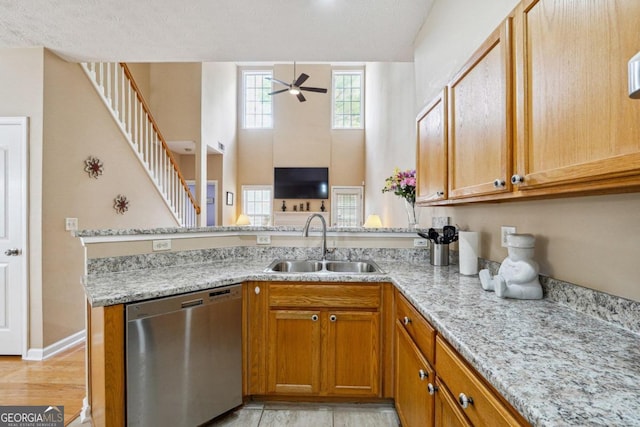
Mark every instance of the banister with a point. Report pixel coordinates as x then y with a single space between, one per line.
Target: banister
167 151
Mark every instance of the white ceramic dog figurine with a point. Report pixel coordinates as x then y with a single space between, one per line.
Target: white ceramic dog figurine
518 273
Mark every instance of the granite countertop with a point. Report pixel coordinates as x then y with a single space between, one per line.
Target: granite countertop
555 365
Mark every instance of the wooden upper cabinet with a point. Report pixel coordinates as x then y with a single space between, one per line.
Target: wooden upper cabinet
576 127
480 124
432 151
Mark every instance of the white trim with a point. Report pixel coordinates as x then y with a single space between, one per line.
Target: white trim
347 189
243 95
85 412
23 122
57 347
248 231
335 72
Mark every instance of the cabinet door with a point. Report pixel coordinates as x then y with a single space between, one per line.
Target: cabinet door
353 353
447 412
577 128
432 151
414 404
293 362
480 125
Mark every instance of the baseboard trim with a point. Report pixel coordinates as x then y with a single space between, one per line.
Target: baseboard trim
57 347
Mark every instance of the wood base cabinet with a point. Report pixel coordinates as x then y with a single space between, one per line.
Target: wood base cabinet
447 412
453 394
309 339
415 403
106 365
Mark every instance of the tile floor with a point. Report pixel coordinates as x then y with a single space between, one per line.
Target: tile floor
257 414
272 414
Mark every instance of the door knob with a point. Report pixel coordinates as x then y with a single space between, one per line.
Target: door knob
12 252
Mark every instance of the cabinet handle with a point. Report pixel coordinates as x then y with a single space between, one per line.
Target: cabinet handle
406 320
12 252
464 400
517 179
333 318
432 389
439 193
422 374
314 317
499 183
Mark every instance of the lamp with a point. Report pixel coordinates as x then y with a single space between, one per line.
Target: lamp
243 220
294 90
373 221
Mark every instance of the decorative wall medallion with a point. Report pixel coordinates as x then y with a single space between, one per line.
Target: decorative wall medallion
93 167
121 204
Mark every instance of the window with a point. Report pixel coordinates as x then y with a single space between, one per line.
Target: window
256 203
256 100
348 100
346 206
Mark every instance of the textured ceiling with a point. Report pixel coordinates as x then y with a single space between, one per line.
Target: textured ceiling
216 30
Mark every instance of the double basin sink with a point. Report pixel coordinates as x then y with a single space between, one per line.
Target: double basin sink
315 266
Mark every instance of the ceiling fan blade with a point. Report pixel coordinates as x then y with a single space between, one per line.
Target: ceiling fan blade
301 97
303 78
278 81
314 89
275 92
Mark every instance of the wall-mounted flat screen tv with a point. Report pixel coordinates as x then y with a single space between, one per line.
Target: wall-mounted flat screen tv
301 183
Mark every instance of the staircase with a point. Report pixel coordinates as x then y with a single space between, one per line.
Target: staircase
123 99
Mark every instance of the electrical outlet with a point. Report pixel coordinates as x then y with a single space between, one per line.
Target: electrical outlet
263 240
71 224
504 231
420 243
161 245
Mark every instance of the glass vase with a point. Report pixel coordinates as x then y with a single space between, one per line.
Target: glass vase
413 214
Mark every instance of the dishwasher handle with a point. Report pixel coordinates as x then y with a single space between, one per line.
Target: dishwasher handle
192 303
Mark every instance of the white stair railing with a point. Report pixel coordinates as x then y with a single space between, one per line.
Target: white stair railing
123 99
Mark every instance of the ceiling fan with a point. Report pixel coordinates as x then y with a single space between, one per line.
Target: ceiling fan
295 88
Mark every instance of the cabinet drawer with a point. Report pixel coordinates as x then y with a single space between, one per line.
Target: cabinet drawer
417 327
486 409
324 295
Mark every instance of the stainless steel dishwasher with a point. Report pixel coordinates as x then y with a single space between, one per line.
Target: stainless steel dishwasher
184 358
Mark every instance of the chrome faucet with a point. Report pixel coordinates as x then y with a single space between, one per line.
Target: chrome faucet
305 232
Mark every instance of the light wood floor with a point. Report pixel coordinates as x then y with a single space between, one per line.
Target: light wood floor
58 381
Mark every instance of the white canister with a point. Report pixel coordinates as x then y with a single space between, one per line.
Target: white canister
468 246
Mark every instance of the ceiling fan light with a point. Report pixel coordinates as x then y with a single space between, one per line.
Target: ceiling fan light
294 91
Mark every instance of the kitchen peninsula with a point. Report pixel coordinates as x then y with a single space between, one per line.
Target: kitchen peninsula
554 364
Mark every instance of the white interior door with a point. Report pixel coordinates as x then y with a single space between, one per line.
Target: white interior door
13 188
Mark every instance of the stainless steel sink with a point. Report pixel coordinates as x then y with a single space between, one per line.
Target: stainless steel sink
353 267
294 266
314 266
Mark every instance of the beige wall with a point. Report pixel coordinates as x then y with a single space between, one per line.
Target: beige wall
142 75
590 241
77 125
219 119
301 137
175 91
390 137
68 123
21 94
